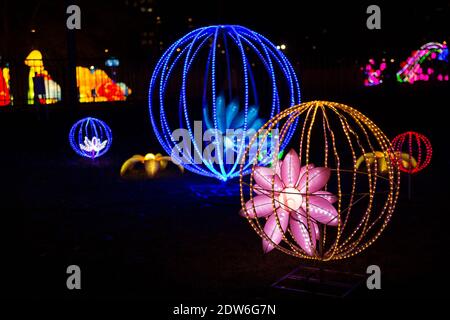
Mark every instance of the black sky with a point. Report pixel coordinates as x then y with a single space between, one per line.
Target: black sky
334 30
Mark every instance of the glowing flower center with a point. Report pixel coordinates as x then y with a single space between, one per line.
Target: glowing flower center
290 198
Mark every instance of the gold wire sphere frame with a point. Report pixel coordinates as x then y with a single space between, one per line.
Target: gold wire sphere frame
332 135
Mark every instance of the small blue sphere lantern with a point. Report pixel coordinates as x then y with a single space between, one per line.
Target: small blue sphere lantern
90 137
213 81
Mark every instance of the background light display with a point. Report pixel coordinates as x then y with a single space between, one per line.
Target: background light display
425 64
90 137
226 61
374 73
94 85
412 69
41 86
5 96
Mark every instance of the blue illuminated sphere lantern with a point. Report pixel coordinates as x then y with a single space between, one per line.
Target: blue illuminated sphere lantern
90 137
213 80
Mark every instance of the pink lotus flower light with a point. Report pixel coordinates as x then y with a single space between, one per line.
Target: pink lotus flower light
292 196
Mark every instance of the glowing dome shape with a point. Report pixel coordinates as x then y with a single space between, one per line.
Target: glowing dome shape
90 137
227 77
315 203
417 147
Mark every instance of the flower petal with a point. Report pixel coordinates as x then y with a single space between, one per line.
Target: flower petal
263 177
316 229
317 179
220 114
151 167
322 211
299 227
263 207
273 231
232 111
290 170
303 171
330 197
258 190
278 167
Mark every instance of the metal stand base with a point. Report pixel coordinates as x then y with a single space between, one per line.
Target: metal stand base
320 281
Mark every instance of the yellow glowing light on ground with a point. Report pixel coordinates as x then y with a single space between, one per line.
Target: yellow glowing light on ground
380 159
153 163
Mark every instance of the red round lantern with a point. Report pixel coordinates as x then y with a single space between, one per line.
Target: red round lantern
414 151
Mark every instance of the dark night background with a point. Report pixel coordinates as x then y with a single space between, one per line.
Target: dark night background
162 239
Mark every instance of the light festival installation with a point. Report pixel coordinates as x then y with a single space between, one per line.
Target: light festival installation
153 163
40 83
224 75
230 117
315 203
5 96
379 159
414 69
290 183
94 85
90 137
374 73
112 62
417 148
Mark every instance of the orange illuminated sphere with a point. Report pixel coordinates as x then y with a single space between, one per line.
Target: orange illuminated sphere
285 205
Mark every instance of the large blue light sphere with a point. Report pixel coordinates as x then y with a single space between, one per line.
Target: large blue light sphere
90 137
227 77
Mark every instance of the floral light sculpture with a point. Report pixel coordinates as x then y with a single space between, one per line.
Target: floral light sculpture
199 69
290 182
153 163
229 117
418 149
90 137
94 146
405 160
315 203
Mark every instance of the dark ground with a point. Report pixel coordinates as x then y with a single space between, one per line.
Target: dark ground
164 240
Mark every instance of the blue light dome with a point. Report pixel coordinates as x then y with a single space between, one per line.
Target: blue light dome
90 137
213 80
